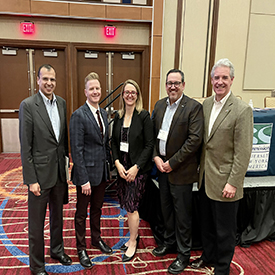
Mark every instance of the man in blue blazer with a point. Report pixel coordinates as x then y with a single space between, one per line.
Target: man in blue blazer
90 153
44 146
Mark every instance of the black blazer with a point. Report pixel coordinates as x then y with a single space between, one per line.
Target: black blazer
184 139
43 157
141 140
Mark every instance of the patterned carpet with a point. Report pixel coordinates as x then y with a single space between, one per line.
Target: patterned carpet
259 259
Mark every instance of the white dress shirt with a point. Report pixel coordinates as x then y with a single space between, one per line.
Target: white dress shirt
93 110
166 122
216 109
53 113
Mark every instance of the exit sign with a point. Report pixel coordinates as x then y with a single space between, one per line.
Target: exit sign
110 31
27 27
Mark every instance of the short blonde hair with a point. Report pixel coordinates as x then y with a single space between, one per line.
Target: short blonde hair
91 76
139 104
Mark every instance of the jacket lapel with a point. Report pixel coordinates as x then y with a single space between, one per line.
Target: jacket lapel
162 108
105 122
42 111
61 116
226 109
92 119
207 107
177 114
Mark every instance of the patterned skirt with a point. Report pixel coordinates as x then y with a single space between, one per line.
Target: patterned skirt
130 193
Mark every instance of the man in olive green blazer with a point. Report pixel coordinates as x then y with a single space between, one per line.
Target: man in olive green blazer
228 134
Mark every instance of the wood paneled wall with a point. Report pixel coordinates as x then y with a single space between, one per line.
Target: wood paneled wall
92 11
100 11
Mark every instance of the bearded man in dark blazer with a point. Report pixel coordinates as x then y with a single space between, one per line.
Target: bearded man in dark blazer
44 146
90 149
178 125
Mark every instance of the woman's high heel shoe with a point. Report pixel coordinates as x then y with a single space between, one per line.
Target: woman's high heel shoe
124 247
126 258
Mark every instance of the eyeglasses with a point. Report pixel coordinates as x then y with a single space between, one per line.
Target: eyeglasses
170 84
132 93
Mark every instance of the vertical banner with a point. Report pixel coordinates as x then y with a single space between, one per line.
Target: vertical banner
261 147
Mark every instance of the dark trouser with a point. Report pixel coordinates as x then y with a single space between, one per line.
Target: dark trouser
218 228
96 201
176 206
37 207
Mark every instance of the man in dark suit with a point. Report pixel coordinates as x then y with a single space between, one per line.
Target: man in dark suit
178 124
90 153
44 146
228 135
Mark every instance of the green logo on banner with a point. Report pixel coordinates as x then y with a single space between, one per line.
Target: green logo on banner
262 133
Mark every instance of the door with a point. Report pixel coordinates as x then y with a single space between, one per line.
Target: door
126 65
113 69
18 81
87 62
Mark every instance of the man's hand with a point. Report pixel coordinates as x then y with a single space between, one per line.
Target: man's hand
159 163
86 189
229 191
166 167
35 188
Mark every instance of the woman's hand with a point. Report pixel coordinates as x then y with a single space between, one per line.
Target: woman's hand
120 169
131 173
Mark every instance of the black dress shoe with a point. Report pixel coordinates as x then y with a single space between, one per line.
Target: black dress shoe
126 258
64 259
199 263
177 266
84 259
103 247
124 247
162 250
40 273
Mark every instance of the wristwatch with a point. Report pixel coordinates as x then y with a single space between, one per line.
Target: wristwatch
138 167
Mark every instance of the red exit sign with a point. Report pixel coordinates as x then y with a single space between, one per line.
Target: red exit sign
27 27
110 31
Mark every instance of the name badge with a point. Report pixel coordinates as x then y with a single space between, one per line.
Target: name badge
163 135
124 147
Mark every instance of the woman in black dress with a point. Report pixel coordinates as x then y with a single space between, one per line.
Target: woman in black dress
132 148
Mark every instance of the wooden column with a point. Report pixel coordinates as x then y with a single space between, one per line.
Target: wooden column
156 36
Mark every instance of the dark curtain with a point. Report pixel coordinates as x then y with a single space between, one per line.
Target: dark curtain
256 216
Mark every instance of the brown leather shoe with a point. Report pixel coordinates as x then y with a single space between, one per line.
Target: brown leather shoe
199 263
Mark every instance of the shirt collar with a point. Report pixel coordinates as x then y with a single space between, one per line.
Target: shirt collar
92 108
176 103
223 100
46 100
